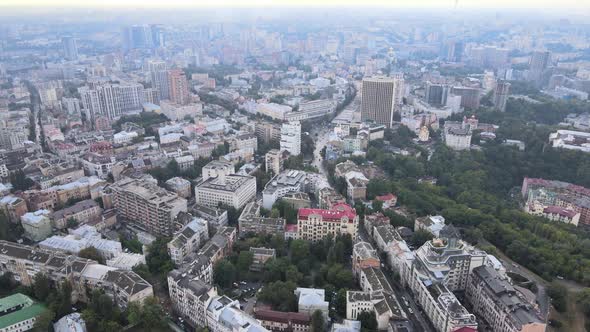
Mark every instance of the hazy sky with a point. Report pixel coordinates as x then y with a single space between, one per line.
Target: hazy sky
536 4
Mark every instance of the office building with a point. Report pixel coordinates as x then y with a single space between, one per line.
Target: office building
286 182
70 48
380 97
291 138
315 224
178 87
500 97
436 94
146 205
112 100
229 190
504 307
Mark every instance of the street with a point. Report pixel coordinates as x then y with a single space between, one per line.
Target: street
418 319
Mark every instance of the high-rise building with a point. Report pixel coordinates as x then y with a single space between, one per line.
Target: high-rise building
157 35
148 206
436 94
178 87
112 100
136 36
453 51
539 62
380 96
470 97
70 48
159 78
291 138
501 95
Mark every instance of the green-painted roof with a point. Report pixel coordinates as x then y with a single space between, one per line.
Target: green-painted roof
14 300
21 315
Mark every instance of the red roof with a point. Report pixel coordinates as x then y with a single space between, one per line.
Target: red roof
337 212
386 197
559 210
465 329
291 228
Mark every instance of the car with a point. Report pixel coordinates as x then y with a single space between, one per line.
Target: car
243 283
560 277
410 311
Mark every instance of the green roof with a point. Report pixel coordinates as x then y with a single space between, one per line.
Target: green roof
18 316
14 300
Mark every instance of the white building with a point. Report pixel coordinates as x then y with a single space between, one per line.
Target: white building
284 183
291 138
230 190
188 240
312 299
124 137
37 224
126 261
70 323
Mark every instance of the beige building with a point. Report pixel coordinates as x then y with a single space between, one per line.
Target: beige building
315 224
142 202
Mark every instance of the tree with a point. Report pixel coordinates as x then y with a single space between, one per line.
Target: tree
20 181
224 273
317 322
558 295
341 302
158 260
299 250
91 253
44 321
41 287
72 223
280 295
368 321
149 315
420 237
245 259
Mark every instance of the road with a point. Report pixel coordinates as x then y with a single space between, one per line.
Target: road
419 321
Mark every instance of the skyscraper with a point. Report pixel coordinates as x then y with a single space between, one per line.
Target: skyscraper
159 77
501 95
291 138
70 48
178 87
380 96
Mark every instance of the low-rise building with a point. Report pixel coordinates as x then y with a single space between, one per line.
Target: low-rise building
364 256
310 300
215 217
126 261
179 186
81 212
19 312
70 323
259 257
278 321
432 224
37 225
250 221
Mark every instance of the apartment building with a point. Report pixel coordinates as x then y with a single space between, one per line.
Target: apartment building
278 321
250 221
81 212
24 262
291 138
143 203
503 306
188 239
315 224
364 256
